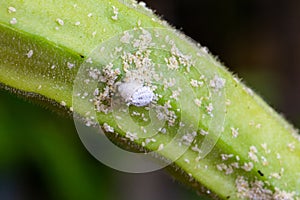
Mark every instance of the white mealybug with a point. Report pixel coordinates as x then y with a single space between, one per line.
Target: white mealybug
136 94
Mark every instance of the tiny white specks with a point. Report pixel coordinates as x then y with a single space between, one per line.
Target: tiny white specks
278 156
195 83
247 166
217 83
161 147
223 167
265 147
94 33
11 9
108 128
30 53
131 136
264 161
13 21
116 13
136 94
126 37
143 4
252 154
139 23
291 146
209 109
256 189
196 149
175 94
275 175
187 161
39 87
226 156
234 132
235 165
71 109
60 21
198 102
284 195
258 126
77 23
53 67
63 103
90 15
228 102
172 63
70 65
203 132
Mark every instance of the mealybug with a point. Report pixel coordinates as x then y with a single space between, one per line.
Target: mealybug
136 94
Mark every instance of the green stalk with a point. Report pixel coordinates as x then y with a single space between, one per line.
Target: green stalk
44 43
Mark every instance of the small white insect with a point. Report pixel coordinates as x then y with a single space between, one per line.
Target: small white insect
136 94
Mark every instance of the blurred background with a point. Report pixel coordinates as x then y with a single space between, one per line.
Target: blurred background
41 156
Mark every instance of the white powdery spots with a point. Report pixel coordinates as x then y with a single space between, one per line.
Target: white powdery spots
234 132
144 6
184 60
291 146
252 190
60 21
131 136
198 102
247 166
172 63
144 41
265 147
164 113
278 156
256 190
196 149
13 21
167 83
283 195
30 53
70 65
188 138
160 147
226 156
116 13
11 9
176 94
126 38
209 109
108 128
226 168
77 23
94 73
108 76
63 103
217 83
203 132
252 154
90 15
264 161
195 83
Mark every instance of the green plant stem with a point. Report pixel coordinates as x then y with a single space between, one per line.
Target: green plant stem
251 126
